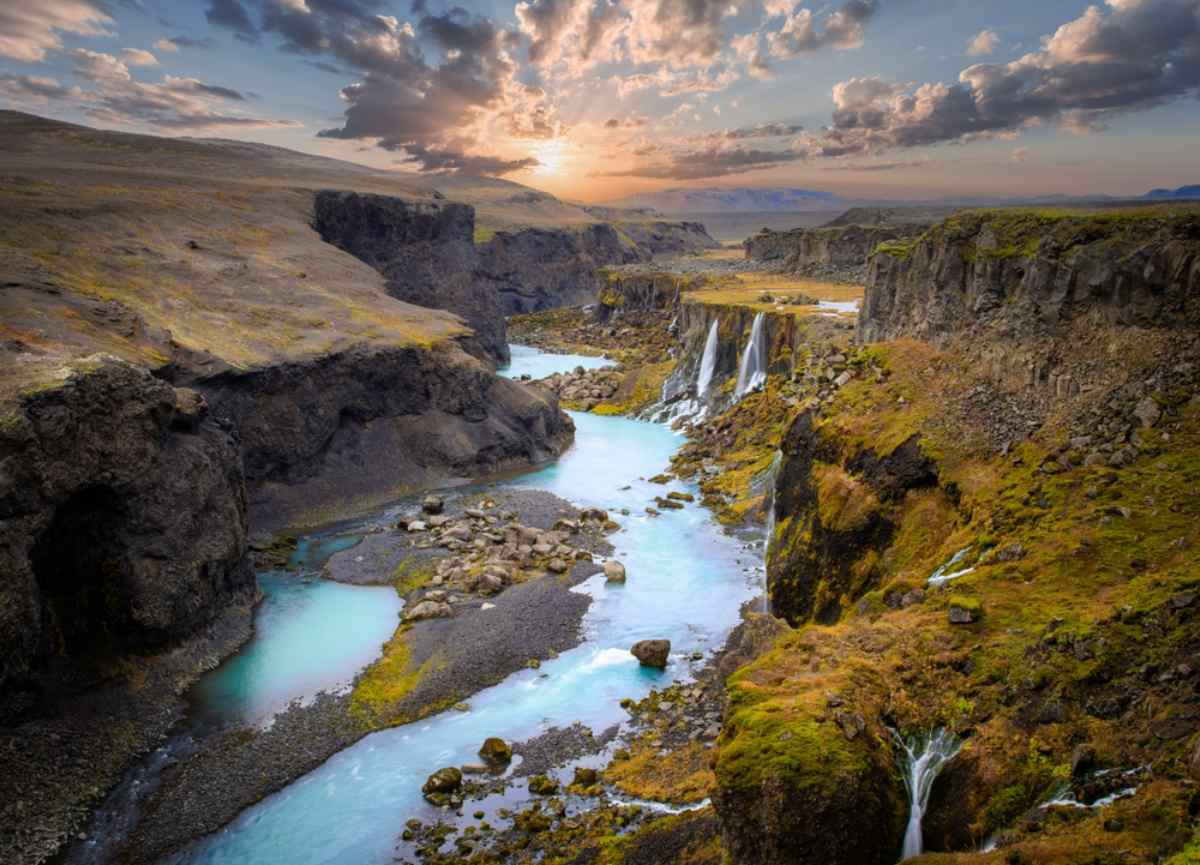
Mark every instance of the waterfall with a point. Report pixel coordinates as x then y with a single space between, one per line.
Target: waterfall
926 757
708 364
753 370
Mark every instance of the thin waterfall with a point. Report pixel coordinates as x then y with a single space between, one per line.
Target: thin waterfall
708 364
753 370
926 757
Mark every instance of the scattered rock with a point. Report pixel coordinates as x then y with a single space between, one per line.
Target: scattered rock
614 571
652 653
495 751
965 611
441 785
428 610
542 785
433 504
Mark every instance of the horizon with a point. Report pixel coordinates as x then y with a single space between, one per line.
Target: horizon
595 101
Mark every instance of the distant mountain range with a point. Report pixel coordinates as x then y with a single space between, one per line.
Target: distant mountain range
733 200
747 199
1192 191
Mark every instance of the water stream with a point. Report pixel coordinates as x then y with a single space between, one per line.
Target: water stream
752 373
926 756
708 364
687 581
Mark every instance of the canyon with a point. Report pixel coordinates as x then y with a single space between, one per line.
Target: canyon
904 504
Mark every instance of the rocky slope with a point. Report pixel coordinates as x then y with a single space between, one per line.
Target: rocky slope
1014 564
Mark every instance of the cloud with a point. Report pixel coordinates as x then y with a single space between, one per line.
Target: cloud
138 57
762 130
709 162
166 46
188 42
748 48
1134 55
982 43
115 96
437 113
876 166
1020 154
29 29
231 15
26 89
625 122
844 29
439 161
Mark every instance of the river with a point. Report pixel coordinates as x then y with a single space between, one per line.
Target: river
687 580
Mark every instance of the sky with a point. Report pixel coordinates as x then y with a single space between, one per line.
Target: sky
593 100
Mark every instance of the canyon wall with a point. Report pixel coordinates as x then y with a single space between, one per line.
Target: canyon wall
841 250
1025 274
540 268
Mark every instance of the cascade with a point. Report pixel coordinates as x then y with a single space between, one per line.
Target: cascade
708 364
926 757
753 370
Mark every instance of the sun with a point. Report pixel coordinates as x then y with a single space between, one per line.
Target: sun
551 156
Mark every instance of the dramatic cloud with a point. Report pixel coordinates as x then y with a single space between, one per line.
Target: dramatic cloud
166 46
625 123
434 112
1136 54
138 57
843 29
982 43
29 29
711 162
115 96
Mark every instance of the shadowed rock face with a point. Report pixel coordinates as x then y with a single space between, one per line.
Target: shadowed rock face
124 514
536 268
367 424
426 253
1029 275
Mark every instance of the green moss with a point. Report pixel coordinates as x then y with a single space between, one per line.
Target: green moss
411 574
844 504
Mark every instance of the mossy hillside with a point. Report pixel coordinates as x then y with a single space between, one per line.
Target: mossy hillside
1088 580
1028 232
641 389
180 260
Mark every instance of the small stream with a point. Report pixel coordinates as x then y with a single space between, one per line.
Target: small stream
687 581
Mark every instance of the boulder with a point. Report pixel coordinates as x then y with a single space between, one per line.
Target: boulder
652 653
433 505
964 611
585 777
495 751
440 787
614 571
428 610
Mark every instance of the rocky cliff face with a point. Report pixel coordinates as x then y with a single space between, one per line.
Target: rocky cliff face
426 253
366 425
824 251
125 521
1030 274
537 268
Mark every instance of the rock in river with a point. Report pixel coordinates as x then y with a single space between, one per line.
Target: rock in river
495 751
433 505
614 571
652 653
440 787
